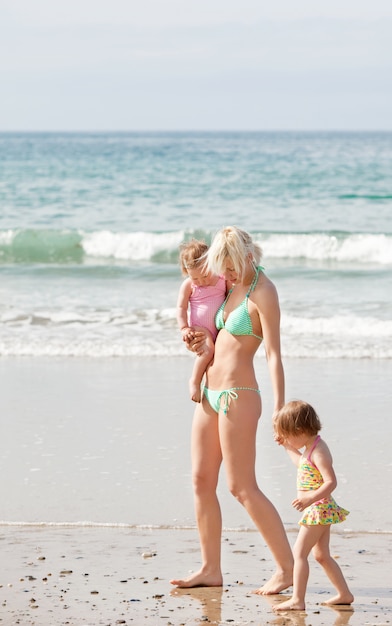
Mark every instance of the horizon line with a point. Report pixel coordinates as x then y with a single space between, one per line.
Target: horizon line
195 131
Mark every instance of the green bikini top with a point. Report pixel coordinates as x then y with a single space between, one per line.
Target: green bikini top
238 321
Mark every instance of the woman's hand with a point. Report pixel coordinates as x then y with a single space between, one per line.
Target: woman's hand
197 343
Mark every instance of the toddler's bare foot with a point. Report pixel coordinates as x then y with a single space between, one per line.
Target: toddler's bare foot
199 579
195 391
277 583
341 598
290 605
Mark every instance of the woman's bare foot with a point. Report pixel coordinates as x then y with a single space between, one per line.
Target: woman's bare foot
194 391
199 579
277 583
290 605
346 598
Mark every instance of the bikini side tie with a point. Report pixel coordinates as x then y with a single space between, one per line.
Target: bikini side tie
233 395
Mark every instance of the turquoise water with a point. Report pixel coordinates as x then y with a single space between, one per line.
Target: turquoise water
90 226
125 182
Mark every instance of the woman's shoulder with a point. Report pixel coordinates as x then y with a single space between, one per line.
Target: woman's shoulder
265 289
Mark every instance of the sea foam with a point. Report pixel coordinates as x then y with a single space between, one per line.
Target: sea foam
65 246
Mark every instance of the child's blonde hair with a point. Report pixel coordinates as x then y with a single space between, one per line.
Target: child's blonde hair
296 418
234 243
192 254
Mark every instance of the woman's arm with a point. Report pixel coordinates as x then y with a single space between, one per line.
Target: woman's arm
269 311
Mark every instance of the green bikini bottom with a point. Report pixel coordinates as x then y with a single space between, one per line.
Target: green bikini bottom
214 397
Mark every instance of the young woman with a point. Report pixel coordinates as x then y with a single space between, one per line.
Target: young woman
225 423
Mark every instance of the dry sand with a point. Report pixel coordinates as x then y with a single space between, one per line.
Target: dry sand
56 575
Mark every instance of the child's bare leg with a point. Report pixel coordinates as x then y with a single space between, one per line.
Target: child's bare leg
307 538
200 366
322 555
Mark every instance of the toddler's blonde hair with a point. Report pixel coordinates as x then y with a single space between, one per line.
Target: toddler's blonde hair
192 254
296 418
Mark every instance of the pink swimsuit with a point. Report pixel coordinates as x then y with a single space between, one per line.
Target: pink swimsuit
204 303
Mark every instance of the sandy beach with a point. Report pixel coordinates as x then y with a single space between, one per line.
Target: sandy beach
108 576
97 511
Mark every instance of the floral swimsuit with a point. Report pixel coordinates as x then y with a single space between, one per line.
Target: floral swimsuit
325 511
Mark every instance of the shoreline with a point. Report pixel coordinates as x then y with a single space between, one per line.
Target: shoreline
90 525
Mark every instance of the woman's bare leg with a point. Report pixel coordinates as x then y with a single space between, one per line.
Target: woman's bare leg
322 555
238 440
206 461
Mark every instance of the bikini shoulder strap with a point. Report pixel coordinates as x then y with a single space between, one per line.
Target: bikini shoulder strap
313 446
254 281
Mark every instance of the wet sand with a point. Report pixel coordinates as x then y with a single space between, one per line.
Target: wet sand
108 440
107 576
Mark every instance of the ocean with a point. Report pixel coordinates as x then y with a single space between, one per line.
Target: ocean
90 226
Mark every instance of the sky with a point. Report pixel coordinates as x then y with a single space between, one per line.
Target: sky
84 65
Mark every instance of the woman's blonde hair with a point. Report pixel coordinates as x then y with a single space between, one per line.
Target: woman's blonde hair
192 254
296 418
234 243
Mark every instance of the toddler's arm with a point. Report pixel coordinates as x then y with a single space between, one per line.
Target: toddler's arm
293 453
323 460
182 309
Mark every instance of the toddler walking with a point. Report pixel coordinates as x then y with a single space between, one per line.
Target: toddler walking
202 292
297 426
